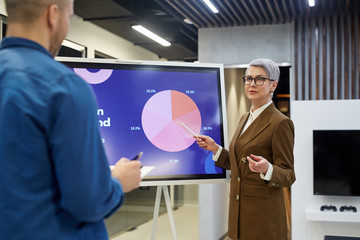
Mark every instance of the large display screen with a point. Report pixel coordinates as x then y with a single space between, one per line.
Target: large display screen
157 109
336 162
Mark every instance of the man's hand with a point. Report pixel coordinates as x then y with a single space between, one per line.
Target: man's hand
128 173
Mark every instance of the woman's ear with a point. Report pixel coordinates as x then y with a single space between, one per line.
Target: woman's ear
274 86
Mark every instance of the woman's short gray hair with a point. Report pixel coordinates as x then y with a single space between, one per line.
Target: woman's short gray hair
268 65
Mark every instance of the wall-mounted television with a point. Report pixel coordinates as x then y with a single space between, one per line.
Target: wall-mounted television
336 162
153 107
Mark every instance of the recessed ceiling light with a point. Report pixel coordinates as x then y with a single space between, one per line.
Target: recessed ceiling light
188 21
151 35
211 6
158 12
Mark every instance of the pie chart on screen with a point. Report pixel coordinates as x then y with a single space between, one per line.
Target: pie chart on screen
163 119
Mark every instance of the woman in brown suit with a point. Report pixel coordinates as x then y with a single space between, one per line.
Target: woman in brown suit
260 158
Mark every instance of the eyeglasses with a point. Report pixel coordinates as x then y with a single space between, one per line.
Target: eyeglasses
258 80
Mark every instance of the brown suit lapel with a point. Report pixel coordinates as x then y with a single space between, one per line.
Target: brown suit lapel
260 123
241 126
233 157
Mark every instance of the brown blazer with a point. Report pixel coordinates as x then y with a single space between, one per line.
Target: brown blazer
257 208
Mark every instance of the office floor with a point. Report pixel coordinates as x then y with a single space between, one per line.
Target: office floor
186 220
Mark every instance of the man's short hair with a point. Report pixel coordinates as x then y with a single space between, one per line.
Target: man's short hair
28 11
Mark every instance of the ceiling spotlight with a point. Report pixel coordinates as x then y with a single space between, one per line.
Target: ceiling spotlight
188 21
311 3
211 6
151 35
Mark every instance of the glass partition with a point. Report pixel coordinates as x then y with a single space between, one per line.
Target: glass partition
138 208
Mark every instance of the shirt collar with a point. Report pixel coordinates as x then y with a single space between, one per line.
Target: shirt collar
257 112
10 42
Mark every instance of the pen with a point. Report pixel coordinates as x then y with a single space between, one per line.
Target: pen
137 157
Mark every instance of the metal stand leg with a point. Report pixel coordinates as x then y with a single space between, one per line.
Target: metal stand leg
169 211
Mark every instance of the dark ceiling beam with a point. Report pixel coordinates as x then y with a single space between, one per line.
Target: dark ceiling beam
200 15
287 14
262 8
242 13
293 11
251 14
214 19
189 36
169 10
277 8
194 14
130 18
300 8
226 12
255 9
184 12
231 7
274 18
225 22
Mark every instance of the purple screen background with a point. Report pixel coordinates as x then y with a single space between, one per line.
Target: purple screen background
122 98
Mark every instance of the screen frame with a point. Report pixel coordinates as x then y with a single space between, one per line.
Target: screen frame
150 64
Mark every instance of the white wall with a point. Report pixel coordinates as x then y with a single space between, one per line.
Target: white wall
240 45
307 116
2 8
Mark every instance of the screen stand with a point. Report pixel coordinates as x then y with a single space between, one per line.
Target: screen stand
169 211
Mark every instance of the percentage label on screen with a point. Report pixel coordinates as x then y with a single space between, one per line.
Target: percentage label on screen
150 91
135 128
190 92
207 128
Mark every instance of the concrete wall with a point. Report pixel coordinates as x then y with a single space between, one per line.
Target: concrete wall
240 45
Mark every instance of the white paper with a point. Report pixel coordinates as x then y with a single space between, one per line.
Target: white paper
145 170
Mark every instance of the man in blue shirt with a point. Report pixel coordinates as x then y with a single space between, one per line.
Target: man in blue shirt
55 182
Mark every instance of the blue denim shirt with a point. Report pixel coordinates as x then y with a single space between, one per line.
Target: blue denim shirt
55 181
